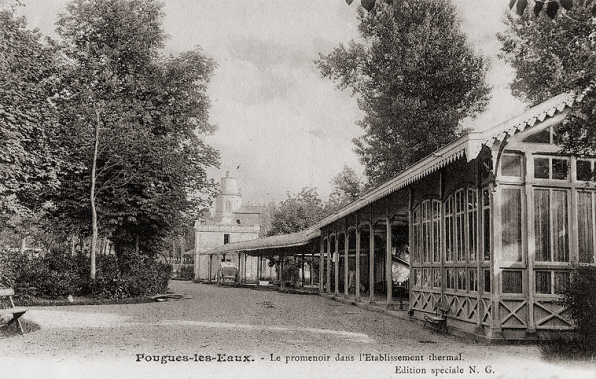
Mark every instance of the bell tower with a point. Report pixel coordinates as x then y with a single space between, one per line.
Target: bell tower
228 200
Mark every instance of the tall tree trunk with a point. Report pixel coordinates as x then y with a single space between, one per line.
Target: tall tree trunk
72 246
92 195
137 245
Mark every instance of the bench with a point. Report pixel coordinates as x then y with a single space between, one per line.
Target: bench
439 319
15 312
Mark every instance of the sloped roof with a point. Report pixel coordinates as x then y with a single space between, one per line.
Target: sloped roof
468 145
273 242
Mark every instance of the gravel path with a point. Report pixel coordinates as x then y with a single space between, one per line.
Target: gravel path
254 327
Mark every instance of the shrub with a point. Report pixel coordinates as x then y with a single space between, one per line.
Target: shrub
187 273
57 275
131 275
580 298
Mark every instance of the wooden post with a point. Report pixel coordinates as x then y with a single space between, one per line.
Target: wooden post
302 269
328 264
210 264
321 263
346 260
281 271
357 280
371 259
312 263
336 257
389 266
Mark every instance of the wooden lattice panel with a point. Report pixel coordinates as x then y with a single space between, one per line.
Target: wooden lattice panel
551 315
513 313
425 301
487 313
463 307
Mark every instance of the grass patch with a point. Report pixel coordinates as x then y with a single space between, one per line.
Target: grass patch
13 329
82 301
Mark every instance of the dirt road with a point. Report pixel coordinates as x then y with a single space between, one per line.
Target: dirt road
236 332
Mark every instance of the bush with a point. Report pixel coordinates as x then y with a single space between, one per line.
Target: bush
131 275
580 298
57 275
187 273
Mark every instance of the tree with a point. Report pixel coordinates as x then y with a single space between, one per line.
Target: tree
554 56
131 120
297 212
416 77
550 7
28 73
346 188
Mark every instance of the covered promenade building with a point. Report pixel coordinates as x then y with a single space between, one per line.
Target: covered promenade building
491 225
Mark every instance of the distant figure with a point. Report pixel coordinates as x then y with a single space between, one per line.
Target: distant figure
351 282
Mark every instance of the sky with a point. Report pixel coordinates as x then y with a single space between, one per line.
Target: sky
281 125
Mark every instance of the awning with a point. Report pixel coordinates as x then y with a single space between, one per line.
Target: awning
274 242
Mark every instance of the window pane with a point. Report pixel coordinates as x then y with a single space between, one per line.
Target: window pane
560 229
543 282
585 227
511 223
473 279
461 279
583 170
417 280
487 276
436 209
561 281
450 278
472 201
512 281
541 166
511 165
437 277
437 241
449 238
485 198
472 236
542 224
425 277
560 169
459 201
486 234
425 241
459 234
416 240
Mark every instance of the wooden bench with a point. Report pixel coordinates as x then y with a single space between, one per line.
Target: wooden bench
14 311
439 319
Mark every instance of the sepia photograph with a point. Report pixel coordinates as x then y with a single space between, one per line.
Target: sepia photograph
298 189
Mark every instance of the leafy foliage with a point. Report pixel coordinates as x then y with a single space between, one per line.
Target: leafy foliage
550 7
57 275
416 77
28 75
346 188
549 56
554 56
580 299
297 212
